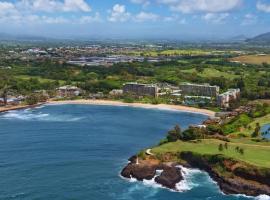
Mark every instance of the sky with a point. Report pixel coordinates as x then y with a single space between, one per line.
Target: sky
167 19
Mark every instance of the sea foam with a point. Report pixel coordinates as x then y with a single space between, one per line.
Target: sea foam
187 183
35 115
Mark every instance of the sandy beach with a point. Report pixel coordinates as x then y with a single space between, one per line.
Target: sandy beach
140 105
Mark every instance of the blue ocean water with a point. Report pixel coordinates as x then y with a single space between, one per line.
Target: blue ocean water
76 152
266 129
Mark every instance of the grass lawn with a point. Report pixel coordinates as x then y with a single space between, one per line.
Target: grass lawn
255 154
252 59
261 120
210 72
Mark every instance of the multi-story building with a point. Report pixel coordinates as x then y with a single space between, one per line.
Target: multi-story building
68 91
226 99
140 89
199 90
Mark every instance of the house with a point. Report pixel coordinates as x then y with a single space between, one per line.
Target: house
68 91
116 93
140 89
98 95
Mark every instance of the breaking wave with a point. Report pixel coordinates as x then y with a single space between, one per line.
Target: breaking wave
188 181
263 197
35 115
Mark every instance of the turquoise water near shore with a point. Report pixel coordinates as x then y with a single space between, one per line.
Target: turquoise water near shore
76 152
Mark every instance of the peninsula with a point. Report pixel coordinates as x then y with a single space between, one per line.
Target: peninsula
232 151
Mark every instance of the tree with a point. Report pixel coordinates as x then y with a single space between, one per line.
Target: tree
32 99
178 130
240 83
256 131
226 145
220 147
5 85
241 151
174 134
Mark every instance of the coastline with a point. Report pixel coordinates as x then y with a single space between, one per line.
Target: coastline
18 107
139 105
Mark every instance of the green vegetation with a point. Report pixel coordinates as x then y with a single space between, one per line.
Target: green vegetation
194 65
237 137
236 124
254 154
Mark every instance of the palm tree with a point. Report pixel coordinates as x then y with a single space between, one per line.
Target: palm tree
5 86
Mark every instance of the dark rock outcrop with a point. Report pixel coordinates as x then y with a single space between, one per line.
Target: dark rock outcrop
240 178
169 177
147 170
140 172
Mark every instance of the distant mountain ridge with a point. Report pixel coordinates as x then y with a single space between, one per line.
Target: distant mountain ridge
260 39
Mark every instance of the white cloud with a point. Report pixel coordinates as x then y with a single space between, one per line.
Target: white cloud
263 7
175 18
145 3
54 5
249 19
144 16
7 8
191 6
216 18
34 12
53 20
90 19
119 14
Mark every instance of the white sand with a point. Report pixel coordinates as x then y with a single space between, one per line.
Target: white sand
141 105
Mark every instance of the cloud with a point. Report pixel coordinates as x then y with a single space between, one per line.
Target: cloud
90 19
249 19
7 8
54 5
145 3
119 14
144 16
191 6
216 18
175 18
35 12
263 7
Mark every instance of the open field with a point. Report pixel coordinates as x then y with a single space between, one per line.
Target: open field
252 59
42 80
255 154
212 73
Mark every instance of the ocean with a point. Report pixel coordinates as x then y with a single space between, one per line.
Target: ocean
76 152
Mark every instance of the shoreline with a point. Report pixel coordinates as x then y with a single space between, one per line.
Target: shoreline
249 183
137 105
18 107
